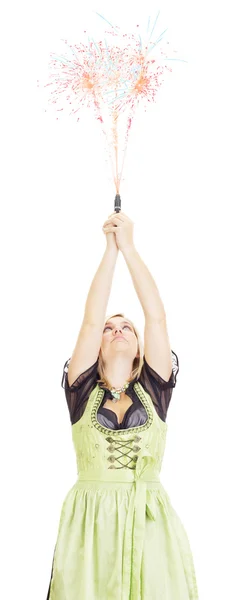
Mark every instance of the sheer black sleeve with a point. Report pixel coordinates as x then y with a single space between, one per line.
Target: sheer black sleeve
78 393
159 389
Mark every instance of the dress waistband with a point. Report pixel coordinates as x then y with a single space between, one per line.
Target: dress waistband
119 476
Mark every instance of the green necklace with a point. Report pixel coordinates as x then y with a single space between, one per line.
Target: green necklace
116 392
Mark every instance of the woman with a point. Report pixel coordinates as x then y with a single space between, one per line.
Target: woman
119 537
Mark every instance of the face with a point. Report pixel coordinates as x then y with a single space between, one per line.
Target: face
119 336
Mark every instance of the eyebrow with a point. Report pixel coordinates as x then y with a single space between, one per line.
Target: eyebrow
110 323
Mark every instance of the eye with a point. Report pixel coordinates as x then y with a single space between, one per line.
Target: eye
109 327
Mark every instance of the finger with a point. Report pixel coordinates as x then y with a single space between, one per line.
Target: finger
112 221
108 222
117 220
115 214
110 228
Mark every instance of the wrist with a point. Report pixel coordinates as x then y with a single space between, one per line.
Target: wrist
128 249
112 249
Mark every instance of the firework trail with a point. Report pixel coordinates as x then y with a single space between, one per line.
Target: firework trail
112 79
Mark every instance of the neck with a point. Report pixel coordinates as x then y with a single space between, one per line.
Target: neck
118 371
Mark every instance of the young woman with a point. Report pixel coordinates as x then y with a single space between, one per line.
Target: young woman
119 537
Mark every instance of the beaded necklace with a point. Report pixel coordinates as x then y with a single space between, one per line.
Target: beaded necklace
116 392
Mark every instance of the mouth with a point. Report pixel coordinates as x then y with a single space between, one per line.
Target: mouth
119 338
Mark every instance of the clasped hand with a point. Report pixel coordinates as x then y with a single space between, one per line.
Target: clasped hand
118 229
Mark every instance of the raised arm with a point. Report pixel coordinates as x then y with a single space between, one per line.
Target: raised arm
89 339
157 348
100 289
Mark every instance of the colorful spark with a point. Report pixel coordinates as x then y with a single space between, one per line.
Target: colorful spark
111 79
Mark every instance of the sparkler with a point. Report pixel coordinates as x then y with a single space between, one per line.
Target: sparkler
112 80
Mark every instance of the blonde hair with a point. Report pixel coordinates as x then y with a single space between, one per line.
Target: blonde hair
137 362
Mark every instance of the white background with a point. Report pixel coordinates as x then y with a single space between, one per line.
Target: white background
57 191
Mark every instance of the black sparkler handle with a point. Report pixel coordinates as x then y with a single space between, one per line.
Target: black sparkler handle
117 205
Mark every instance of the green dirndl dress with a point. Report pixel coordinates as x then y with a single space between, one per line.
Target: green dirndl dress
119 538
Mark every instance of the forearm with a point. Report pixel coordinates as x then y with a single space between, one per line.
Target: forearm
100 289
144 284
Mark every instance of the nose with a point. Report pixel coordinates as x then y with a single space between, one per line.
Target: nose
118 329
